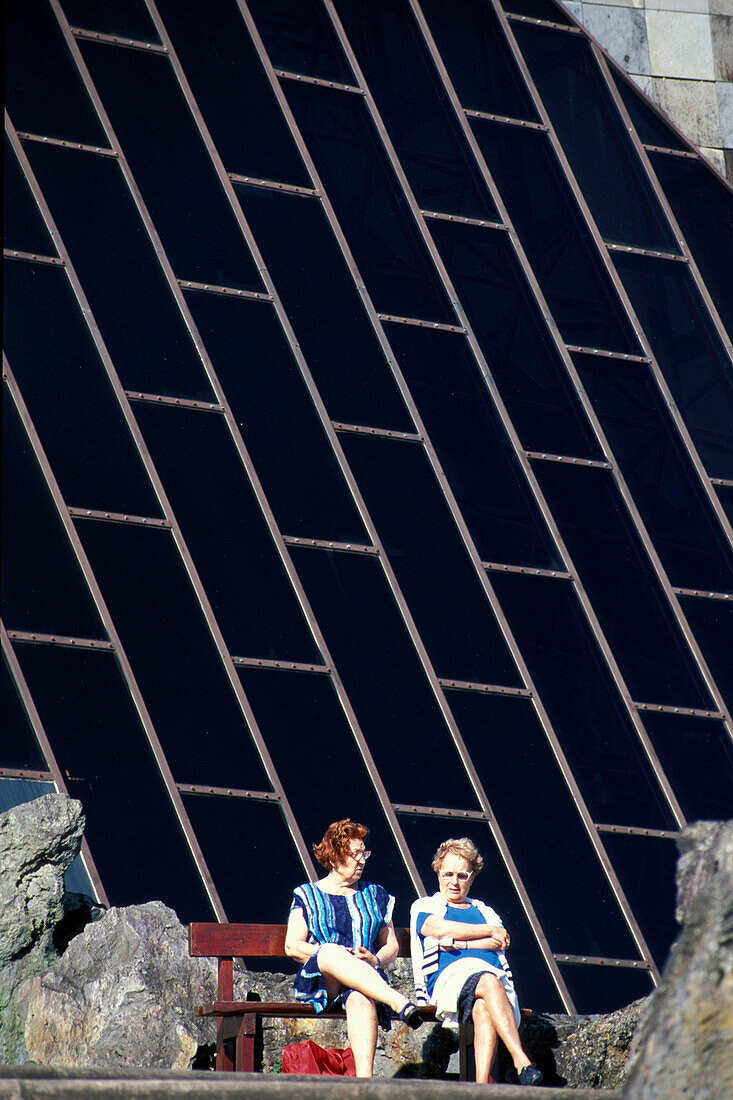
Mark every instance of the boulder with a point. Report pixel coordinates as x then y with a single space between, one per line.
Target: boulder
684 1044
38 842
123 994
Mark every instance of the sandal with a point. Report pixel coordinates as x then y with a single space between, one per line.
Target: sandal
411 1016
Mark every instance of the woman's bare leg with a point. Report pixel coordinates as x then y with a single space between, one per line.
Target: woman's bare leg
336 962
491 992
361 1027
484 1040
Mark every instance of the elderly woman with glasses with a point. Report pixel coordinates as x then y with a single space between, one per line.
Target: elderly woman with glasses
341 930
459 964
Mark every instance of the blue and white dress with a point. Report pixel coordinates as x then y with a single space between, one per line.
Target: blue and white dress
352 920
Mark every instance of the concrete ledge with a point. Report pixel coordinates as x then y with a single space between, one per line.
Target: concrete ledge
44 1083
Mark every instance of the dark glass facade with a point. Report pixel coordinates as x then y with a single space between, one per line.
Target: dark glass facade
367 451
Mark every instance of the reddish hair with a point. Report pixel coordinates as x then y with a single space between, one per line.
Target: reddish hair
335 844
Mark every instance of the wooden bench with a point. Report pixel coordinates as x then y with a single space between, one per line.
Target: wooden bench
237 1020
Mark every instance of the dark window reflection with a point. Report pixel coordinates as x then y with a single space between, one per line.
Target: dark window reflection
689 351
256 872
537 9
605 988
516 766
697 755
375 659
712 625
657 468
61 377
23 227
523 359
43 588
432 565
592 726
173 658
476 54
534 985
114 259
558 244
626 596
594 138
172 169
280 425
299 37
232 90
652 129
725 495
415 108
474 451
130 19
329 780
140 851
645 866
325 310
45 93
19 746
358 179
14 792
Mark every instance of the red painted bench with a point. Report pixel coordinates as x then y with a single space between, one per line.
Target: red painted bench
237 1020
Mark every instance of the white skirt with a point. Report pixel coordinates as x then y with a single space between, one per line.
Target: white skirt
450 982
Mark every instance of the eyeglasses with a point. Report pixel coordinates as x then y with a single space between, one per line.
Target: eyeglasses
362 853
462 876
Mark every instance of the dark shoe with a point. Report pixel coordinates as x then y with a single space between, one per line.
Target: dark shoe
410 1015
530 1075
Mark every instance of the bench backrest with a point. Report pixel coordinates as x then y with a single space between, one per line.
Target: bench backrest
257 941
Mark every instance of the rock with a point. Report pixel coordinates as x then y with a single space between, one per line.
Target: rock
38 842
684 1044
123 994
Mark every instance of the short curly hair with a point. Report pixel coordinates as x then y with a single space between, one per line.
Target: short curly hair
462 846
335 844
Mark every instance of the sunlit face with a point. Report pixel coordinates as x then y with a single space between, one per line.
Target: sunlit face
454 878
353 861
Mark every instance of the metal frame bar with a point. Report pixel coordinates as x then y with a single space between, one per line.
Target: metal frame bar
499 567
629 830
486 689
284 74
60 640
704 595
470 113
325 544
117 40
388 433
42 139
435 811
516 18
608 354
227 792
26 773
287 666
694 712
272 185
253 295
646 252
588 960
569 460
119 517
182 402
32 257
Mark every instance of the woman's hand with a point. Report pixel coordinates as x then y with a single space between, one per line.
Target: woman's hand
362 953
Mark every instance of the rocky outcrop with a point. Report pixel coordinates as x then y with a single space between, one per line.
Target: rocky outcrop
684 1044
123 994
38 842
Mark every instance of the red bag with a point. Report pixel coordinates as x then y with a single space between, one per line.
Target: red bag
308 1057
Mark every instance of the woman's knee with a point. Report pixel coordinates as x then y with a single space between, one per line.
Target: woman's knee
488 986
359 1002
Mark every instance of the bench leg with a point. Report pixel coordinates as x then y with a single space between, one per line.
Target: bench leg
245 1048
466 1062
223 1045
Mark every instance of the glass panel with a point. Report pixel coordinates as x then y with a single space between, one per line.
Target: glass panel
45 93
605 988
226 533
652 129
645 866
158 136
330 780
415 108
657 468
24 229
126 288
43 588
529 373
280 426
19 746
394 704
702 207
437 578
725 495
689 351
299 38
712 625
593 135
536 9
107 763
322 304
697 755
591 724
371 209
534 985
623 589
173 659
458 413
128 20
557 241
62 379
266 850
480 64
498 728
232 90
14 792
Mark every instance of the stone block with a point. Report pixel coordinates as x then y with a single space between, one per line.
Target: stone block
716 157
721 29
694 7
680 45
621 31
693 107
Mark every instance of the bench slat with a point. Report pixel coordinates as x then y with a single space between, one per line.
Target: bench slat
279 1008
253 940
